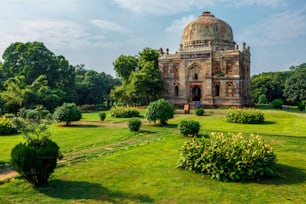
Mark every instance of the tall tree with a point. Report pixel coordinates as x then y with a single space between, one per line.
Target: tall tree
124 65
295 86
31 60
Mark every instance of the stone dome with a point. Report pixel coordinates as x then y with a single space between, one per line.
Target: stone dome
207 29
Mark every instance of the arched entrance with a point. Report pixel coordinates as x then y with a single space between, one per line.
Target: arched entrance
196 92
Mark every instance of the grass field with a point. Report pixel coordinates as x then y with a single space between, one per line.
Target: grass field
105 163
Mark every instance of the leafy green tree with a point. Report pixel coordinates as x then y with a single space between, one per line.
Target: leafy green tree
32 60
160 110
295 86
147 82
68 112
124 65
140 84
93 87
268 84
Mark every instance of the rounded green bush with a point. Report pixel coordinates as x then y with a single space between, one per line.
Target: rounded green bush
189 127
301 106
134 124
229 157
160 110
200 111
35 161
277 104
102 116
68 112
244 116
123 112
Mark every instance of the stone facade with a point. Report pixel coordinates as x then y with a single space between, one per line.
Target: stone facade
208 68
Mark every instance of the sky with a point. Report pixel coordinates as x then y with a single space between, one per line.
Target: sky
96 32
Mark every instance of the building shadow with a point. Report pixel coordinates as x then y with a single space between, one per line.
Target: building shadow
83 190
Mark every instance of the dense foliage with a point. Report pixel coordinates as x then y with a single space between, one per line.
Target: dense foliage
289 86
229 157
244 116
277 103
141 80
68 112
160 110
7 126
301 106
102 116
189 127
32 75
123 112
199 111
134 124
35 161
295 86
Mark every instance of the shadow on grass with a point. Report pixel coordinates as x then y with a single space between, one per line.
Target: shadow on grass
79 126
289 176
82 190
269 123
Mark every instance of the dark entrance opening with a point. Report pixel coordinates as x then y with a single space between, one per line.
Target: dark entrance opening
196 93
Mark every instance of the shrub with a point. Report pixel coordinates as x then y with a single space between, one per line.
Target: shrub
134 124
86 108
262 99
160 110
35 161
68 112
200 111
244 116
102 116
123 112
229 157
189 128
277 104
301 106
7 126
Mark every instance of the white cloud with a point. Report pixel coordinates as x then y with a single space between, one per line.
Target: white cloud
107 25
178 25
162 6
170 6
277 28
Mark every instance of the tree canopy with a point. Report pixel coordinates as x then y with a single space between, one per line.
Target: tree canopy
142 82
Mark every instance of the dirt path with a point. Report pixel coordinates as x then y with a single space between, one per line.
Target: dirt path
7 174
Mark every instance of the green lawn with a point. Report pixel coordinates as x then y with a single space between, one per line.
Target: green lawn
105 163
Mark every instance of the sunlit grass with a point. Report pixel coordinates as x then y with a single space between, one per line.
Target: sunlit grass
105 163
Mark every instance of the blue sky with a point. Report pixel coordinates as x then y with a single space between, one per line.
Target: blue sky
96 32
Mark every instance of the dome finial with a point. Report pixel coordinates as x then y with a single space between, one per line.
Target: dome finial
207 13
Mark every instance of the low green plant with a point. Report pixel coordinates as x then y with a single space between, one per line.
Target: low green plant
244 116
277 104
160 110
200 111
189 127
7 126
134 124
102 116
123 112
301 106
229 157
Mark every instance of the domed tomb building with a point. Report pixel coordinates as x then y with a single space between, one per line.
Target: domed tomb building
208 68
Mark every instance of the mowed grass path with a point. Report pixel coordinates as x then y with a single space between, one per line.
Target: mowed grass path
105 163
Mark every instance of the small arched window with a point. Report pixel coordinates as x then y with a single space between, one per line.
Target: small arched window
176 90
195 76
